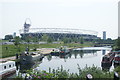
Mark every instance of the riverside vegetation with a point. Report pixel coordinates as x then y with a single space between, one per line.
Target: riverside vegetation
17 47
96 72
11 50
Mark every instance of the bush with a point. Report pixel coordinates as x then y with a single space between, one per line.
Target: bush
96 72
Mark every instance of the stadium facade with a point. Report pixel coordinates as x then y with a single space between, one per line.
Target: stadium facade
57 33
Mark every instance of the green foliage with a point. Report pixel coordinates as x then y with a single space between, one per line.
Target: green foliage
27 39
118 43
12 49
45 37
7 37
96 72
49 40
81 40
117 69
17 41
66 40
34 39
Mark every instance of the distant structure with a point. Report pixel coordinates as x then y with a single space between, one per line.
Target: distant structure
14 34
119 19
27 25
104 35
57 33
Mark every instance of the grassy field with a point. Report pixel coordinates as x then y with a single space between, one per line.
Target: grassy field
4 40
11 50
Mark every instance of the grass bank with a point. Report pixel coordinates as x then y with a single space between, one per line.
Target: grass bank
11 50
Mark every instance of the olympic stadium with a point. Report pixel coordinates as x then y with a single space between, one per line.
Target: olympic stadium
57 33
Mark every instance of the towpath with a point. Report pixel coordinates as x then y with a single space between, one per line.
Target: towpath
45 50
7 59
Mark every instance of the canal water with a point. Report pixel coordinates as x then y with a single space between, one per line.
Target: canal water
82 56
88 56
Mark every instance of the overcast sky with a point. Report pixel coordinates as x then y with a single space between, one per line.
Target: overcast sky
96 15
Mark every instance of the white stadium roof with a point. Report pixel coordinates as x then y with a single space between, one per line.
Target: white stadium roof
60 30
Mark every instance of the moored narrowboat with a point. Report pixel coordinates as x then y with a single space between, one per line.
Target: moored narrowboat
7 68
117 58
106 62
107 59
28 58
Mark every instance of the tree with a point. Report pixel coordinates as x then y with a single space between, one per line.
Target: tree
7 37
17 42
66 40
49 40
35 39
27 39
118 43
81 40
45 37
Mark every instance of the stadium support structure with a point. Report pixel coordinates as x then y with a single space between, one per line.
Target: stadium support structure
57 33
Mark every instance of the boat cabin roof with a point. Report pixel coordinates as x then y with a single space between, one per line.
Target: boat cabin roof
116 51
7 62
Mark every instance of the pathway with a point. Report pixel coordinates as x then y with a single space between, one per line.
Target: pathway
7 59
42 50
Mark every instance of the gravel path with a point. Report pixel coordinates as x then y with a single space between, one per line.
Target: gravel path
7 59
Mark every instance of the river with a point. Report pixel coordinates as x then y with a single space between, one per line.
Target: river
82 56
88 56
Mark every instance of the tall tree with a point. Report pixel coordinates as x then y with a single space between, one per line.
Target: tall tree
27 39
45 37
66 40
49 40
35 39
118 43
17 42
81 40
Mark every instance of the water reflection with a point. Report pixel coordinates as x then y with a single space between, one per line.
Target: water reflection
27 66
68 60
24 67
49 57
103 52
76 54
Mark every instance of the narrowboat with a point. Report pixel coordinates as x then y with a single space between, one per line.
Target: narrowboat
64 50
117 58
30 57
61 50
107 59
7 68
106 62
55 52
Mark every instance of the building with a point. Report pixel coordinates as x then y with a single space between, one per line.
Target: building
14 34
57 33
104 35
